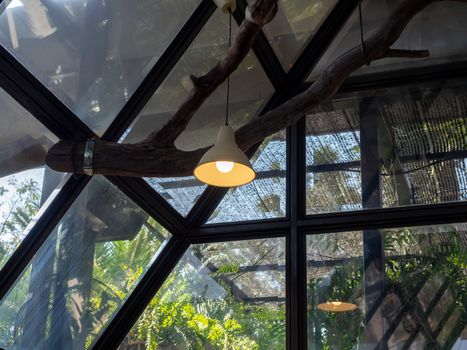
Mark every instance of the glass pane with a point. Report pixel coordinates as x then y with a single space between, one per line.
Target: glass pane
413 151
181 192
425 269
439 28
250 89
296 22
91 54
220 296
333 160
417 301
335 277
265 197
27 186
82 273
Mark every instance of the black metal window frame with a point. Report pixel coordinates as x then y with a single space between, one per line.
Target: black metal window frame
295 226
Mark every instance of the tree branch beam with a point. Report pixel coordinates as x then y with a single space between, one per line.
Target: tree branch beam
257 14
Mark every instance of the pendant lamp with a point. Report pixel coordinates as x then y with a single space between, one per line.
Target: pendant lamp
337 306
225 164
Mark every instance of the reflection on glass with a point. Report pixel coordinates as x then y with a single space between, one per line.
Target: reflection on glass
91 54
220 296
439 28
335 275
427 288
333 161
414 151
82 273
418 301
26 184
265 197
181 192
250 89
294 25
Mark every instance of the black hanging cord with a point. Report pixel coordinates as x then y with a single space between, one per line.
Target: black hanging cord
362 41
228 77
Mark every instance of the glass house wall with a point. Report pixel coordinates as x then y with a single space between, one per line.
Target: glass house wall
361 204
419 148
27 186
221 295
419 303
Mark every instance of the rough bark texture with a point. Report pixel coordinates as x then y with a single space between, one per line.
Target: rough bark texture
158 157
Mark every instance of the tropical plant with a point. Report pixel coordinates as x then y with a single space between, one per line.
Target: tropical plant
21 205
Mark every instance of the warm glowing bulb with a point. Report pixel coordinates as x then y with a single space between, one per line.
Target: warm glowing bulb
224 167
336 303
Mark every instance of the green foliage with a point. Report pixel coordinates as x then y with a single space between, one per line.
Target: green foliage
429 255
21 206
414 256
20 203
181 317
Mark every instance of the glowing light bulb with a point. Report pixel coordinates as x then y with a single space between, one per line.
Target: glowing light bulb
224 167
336 306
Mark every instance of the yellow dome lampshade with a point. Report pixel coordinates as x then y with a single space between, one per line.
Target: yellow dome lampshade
336 306
225 165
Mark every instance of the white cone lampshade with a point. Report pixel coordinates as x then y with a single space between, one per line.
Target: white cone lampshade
225 165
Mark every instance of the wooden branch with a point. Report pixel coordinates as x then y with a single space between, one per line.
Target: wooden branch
110 158
158 157
376 46
257 14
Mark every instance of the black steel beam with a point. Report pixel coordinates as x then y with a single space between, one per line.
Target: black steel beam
301 169
149 200
320 41
265 53
138 300
241 232
38 100
296 265
161 69
417 215
39 233
401 77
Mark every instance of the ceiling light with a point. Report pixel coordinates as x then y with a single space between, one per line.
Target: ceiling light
336 306
225 164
